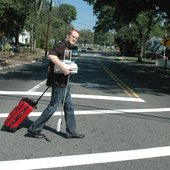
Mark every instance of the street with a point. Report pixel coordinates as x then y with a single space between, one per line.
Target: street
123 110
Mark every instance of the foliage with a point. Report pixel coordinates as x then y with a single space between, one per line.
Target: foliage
145 14
119 13
104 39
7 47
67 13
16 15
61 18
13 14
87 37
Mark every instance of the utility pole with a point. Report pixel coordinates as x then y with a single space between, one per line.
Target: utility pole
48 27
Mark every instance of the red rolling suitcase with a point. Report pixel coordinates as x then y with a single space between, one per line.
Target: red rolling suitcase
20 112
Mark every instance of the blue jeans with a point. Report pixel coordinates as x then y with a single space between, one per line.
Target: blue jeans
57 97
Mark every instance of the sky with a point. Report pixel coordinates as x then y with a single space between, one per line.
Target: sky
85 17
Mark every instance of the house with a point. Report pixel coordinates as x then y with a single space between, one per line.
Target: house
24 37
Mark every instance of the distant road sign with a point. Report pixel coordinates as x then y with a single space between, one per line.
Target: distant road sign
166 41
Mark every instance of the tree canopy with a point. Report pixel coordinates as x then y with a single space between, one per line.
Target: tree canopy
13 15
113 14
143 15
33 15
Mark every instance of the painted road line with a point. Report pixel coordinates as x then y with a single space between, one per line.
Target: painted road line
99 97
86 159
37 86
90 85
82 96
98 112
122 85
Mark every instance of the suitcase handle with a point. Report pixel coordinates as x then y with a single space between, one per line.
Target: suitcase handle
41 95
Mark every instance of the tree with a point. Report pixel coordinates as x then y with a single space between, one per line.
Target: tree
33 16
67 13
48 27
104 39
32 22
13 15
114 14
127 40
87 37
145 22
58 26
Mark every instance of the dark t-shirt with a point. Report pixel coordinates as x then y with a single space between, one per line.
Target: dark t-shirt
60 79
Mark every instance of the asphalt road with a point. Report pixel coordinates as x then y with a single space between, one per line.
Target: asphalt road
121 107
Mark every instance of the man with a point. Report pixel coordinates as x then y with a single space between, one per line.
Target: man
59 85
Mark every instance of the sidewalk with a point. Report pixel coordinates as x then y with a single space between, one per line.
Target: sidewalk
7 62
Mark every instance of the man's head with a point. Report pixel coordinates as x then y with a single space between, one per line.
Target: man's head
73 36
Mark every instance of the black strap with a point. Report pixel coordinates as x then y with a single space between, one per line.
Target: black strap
42 95
47 139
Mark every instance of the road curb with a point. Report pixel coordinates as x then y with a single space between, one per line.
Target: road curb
15 65
10 66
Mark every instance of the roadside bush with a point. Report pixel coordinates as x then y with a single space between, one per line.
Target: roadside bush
7 47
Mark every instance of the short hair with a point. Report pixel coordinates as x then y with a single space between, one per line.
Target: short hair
69 33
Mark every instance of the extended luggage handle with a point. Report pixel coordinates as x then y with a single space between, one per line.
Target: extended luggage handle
41 95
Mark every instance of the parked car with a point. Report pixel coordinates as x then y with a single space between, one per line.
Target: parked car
153 56
84 49
74 51
89 49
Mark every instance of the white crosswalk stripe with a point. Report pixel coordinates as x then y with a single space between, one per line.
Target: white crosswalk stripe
86 159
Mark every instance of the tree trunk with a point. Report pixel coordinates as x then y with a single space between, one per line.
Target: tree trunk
48 27
17 37
141 54
34 28
32 39
144 32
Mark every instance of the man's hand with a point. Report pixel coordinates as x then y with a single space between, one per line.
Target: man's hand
66 70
